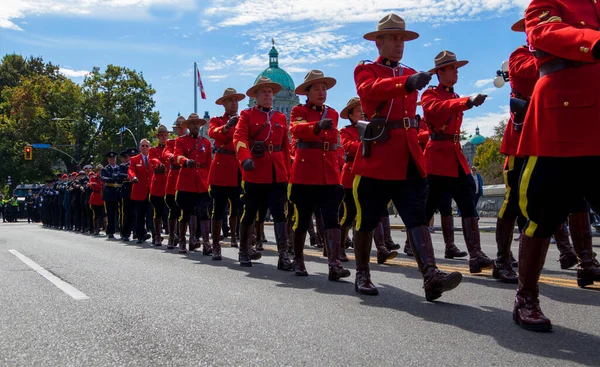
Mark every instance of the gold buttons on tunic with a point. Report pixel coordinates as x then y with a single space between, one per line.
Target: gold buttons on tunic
398 85
582 22
303 160
584 49
566 104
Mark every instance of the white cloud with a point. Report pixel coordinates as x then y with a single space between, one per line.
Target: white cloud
483 82
10 10
70 73
427 44
486 122
216 77
437 39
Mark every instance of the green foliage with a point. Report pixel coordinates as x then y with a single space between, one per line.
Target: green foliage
488 158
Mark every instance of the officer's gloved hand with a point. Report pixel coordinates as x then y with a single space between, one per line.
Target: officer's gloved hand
476 100
190 163
134 180
596 51
417 81
325 124
160 168
248 165
232 122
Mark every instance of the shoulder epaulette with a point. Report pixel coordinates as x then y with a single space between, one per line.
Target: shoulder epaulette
363 62
407 67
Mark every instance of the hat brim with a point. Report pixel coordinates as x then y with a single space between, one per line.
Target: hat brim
458 64
238 96
329 83
519 25
408 35
252 91
344 112
201 122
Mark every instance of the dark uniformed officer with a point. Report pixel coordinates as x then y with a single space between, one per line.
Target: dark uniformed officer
86 210
127 210
110 194
29 205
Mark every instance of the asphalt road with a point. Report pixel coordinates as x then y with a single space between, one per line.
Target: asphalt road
150 306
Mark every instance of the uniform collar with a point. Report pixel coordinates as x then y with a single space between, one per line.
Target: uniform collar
447 89
387 62
227 116
263 109
195 136
160 145
314 107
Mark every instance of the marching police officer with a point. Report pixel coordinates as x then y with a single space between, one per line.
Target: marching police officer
110 194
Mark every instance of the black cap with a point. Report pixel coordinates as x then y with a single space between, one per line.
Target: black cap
133 151
111 154
124 153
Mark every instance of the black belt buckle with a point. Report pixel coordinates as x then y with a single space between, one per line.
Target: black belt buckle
270 148
456 138
326 146
406 122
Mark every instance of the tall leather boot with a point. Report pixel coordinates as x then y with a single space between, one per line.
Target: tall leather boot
172 222
281 238
503 269
477 259
448 233
343 257
252 253
205 229
527 312
193 243
233 225
435 282
387 232
259 228
588 270
299 239
245 233
97 224
290 229
182 230
362 252
383 254
216 237
262 237
157 231
567 257
407 249
313 238
336 271
320 224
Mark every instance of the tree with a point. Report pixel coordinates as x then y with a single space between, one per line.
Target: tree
488 158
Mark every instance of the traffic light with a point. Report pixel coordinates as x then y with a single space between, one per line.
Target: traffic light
28 153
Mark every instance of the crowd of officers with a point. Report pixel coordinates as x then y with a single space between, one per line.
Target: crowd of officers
346 177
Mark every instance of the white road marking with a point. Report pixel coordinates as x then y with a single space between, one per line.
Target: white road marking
61 284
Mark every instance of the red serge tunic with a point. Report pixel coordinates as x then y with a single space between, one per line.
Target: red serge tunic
96 185
169 157
375 83
159 180
198 148
443 111
270 126
137 168
315 160
351 142
224 169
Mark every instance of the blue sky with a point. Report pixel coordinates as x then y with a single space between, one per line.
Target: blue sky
230 40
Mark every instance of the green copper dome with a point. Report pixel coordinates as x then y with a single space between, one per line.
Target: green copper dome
477 139
275 73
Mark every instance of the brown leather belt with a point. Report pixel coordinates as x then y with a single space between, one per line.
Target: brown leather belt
224 151
558 64
198 165
272 148
441 136
324 146
405 123
112 185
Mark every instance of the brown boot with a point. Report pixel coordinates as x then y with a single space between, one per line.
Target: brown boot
448 233
259 228
194 243
299 267
336 271
567 257
281 238
205 229
157 231
182 230
383 254
322 237
343 256
172 225
262 236
362 252
233 225
435 282
527 312
216 236
477 259
245 233
407 249
313 238
588 270
290 229
387 233
503 269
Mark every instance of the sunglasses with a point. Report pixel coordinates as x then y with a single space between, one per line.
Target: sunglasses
145 146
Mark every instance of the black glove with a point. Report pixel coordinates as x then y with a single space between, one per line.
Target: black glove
248 165
232 122
134 180
596 51
190 163
160 169
417 81
325 124
476 100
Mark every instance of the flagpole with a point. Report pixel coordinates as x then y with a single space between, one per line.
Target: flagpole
195 89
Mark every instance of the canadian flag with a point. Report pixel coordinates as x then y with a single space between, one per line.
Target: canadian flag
202 94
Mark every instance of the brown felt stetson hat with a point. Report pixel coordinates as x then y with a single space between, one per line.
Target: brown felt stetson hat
391 24
263 82
446 58
162 129
230 93
519 25
194 118
353 102
178 121
313 77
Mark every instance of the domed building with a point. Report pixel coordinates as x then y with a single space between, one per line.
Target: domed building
286 99
470 147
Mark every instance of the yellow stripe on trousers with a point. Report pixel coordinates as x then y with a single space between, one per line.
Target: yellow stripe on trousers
511 166
355 185
523 188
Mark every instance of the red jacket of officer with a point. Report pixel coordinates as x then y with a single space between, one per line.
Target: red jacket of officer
96 196
224 169
423 135
375 83
159 180
315 160
169 157
193 179
443 112
351 143
138 168
253 126
563 116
